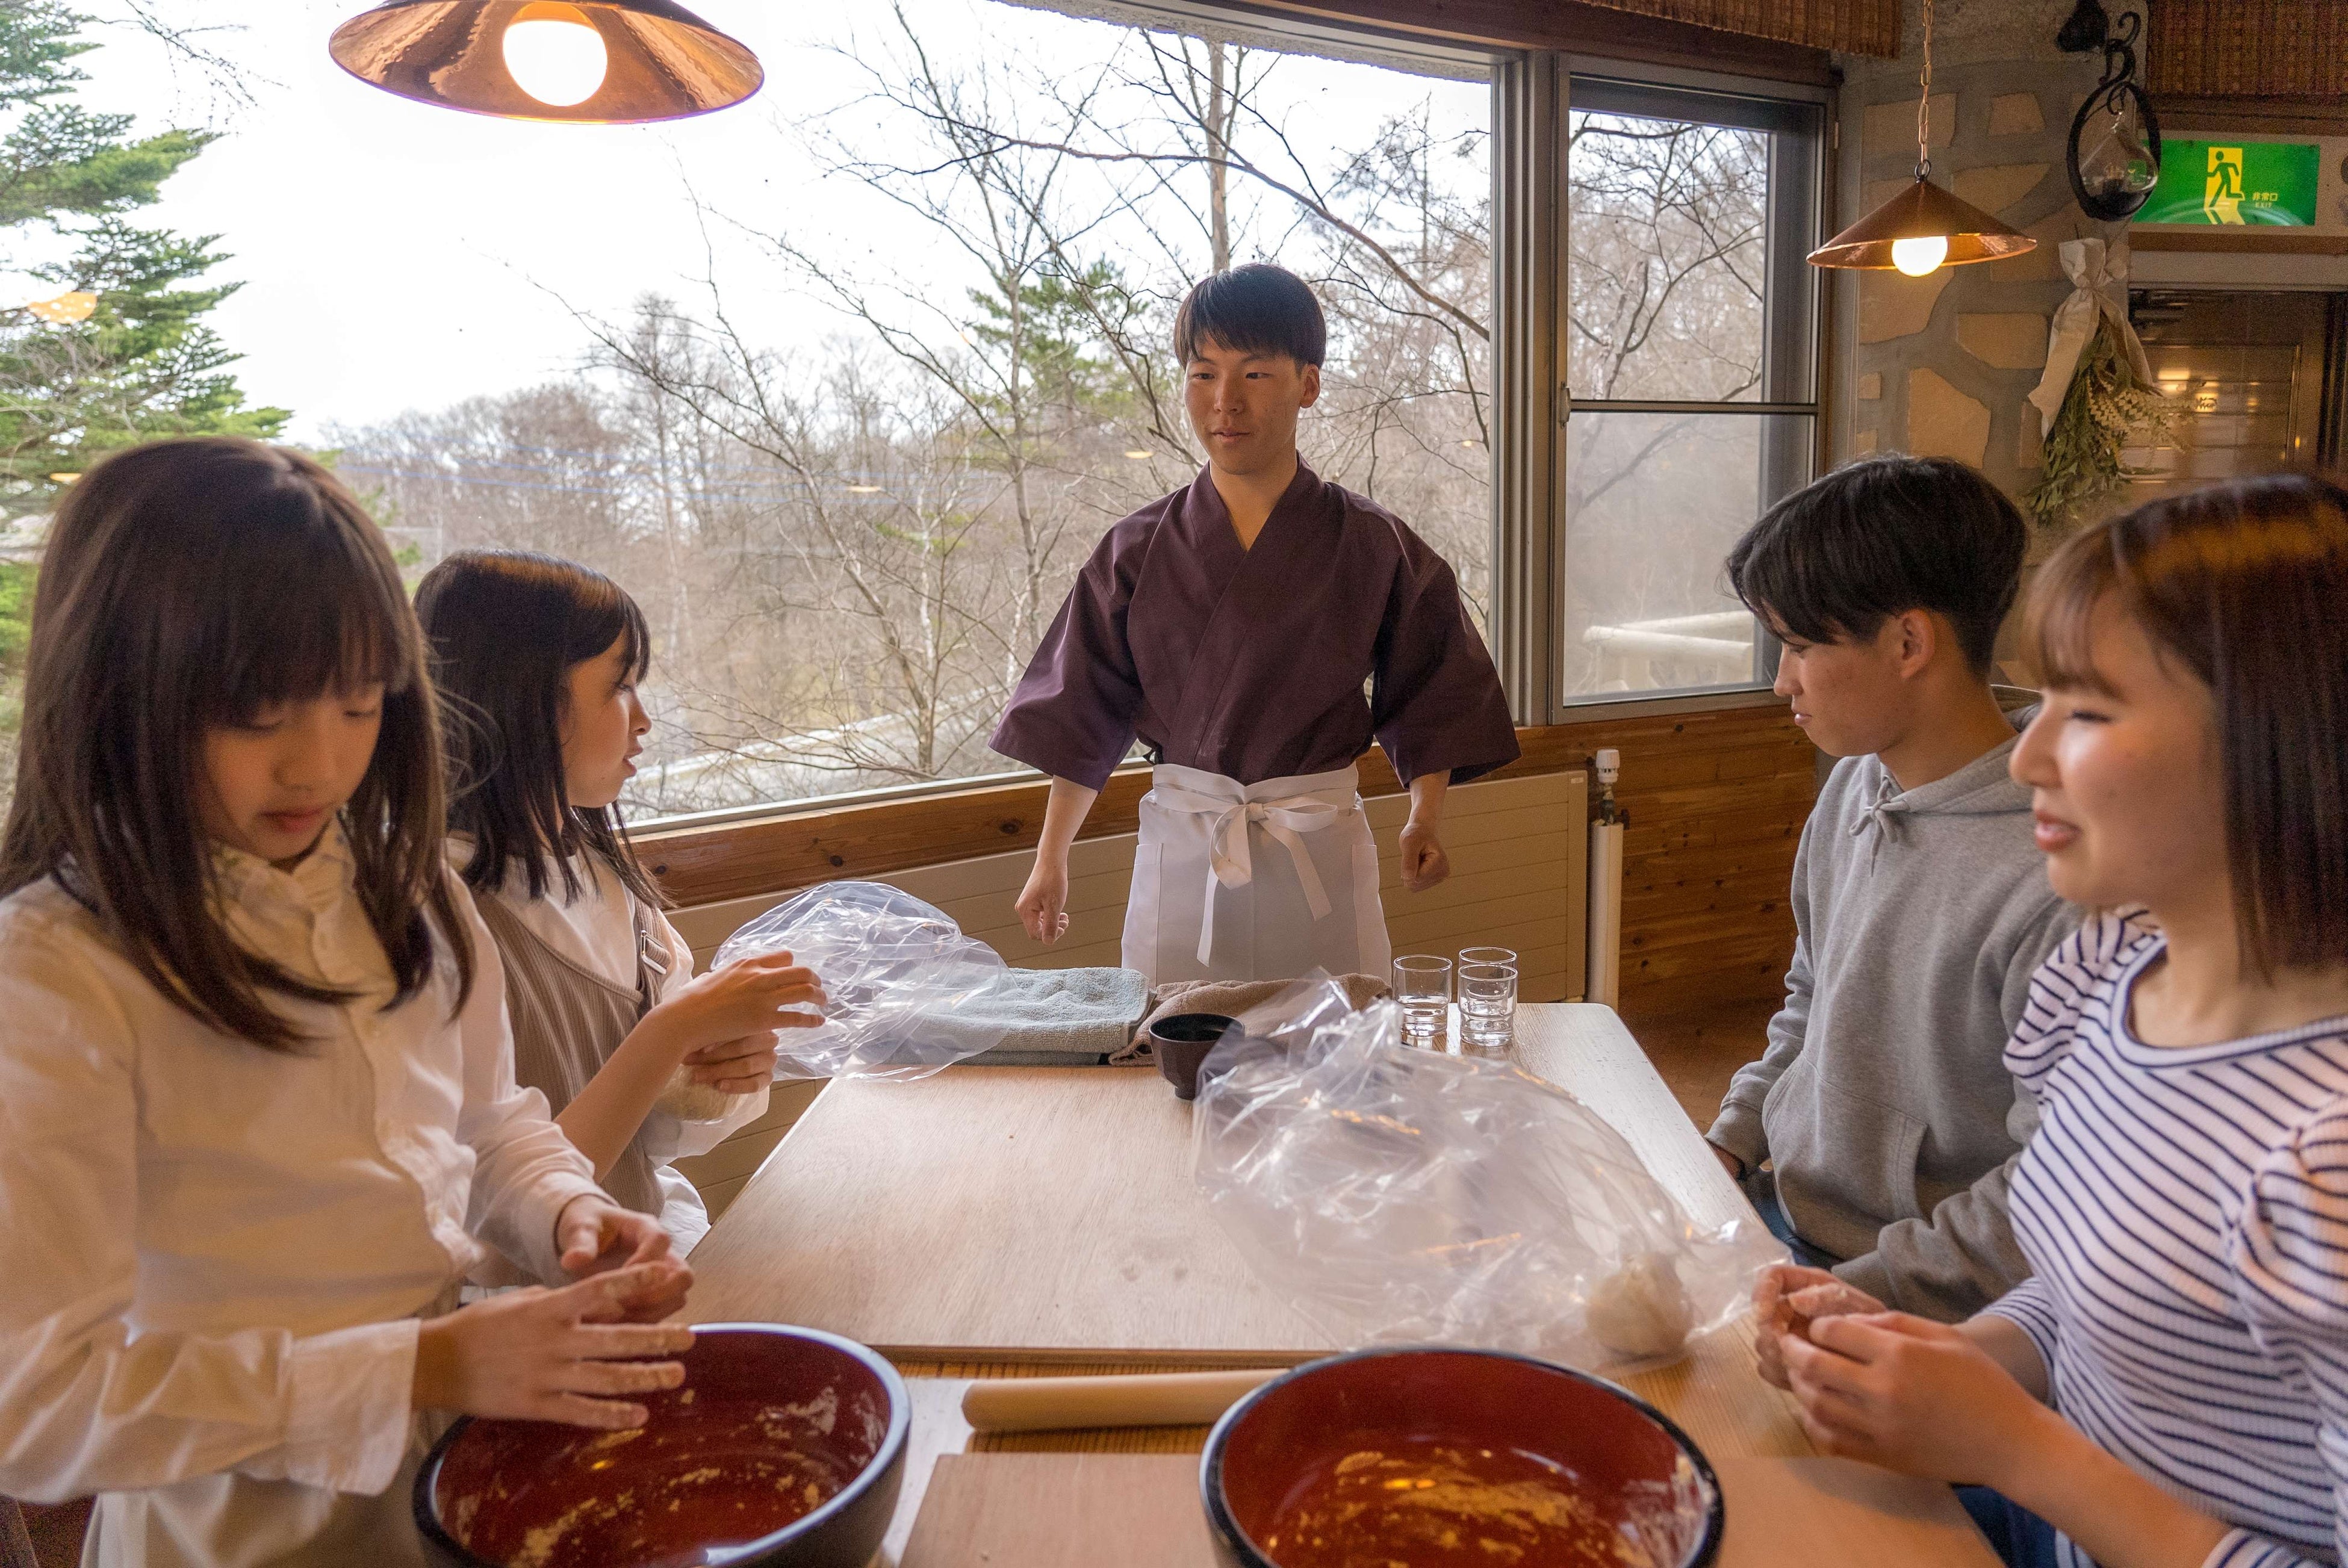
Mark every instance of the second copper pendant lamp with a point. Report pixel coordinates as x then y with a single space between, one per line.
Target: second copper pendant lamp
603 62
1926 226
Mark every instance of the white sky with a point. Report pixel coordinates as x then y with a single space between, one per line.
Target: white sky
398 256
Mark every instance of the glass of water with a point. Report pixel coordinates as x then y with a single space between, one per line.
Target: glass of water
1421 985
1488 1009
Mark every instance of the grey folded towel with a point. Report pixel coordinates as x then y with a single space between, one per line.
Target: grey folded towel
1231 998
1054 1017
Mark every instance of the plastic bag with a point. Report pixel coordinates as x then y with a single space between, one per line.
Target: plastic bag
1400 1194
895 969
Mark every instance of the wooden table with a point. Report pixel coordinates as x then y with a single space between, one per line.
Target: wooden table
992 1222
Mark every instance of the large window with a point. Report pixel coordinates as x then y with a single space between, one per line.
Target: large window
844 384
849 544
1690 353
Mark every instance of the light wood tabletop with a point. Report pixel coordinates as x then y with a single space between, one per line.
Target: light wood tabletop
994 1221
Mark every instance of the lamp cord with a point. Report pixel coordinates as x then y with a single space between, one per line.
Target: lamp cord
1924 103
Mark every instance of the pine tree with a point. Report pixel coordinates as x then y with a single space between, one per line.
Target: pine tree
143 363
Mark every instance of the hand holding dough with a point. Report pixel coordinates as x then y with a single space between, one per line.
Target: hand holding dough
1642 1309
1787 1299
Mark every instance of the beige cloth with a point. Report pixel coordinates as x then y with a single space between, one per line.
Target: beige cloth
1231 998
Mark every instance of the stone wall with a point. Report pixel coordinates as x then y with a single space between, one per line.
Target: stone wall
1942 364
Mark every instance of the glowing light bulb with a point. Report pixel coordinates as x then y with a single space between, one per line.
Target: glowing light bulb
554 54
1918 256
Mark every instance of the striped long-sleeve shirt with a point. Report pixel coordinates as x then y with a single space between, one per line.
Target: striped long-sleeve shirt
2186 1209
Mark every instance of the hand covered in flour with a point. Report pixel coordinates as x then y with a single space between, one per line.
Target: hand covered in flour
571 1355
1786 1300
1424 864
735 1066
596 1236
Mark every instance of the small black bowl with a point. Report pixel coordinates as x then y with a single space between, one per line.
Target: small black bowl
1181 1042
1309 1426
764 1409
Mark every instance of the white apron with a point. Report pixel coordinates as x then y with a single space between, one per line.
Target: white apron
1254 882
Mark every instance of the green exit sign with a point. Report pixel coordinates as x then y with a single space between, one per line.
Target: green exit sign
2225 182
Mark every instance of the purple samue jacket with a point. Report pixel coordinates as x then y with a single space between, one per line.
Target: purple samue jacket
1252 663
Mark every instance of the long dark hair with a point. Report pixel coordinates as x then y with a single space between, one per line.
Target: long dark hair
2246 585
189 584
506 629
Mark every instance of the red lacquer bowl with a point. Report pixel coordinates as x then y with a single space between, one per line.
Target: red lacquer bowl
783 1450
1436 1457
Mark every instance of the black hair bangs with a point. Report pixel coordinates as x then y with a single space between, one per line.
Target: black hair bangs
1785 574
637 650
302 601
1880 538
1255 309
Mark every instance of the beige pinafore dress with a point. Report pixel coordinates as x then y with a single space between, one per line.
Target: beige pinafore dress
567 1022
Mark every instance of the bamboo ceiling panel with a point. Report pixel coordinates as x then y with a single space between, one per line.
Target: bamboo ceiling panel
1854 27
2247 48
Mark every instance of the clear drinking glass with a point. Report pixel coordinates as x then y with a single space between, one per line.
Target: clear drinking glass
1488 1009
1421 985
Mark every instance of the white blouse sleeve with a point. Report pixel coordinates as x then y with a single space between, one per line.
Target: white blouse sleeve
668 1138
525 1169
2290 1262
84 1406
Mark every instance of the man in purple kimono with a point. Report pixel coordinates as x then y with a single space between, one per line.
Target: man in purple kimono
1233 626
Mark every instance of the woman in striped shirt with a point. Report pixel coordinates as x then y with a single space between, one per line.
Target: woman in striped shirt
2172 1387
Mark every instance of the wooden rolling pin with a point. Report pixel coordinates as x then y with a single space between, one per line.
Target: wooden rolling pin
1132 1400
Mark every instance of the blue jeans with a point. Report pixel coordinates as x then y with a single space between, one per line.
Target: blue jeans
2019 1537
1761 1191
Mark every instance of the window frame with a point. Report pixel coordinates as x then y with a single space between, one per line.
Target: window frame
1533 104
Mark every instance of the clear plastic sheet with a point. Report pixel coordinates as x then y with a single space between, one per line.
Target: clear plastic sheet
896 970
1401 1196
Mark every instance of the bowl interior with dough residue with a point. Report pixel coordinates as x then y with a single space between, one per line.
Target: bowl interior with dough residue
1439 1457
770 1449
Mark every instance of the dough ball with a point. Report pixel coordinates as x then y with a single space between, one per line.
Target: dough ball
686 1100
1641 1310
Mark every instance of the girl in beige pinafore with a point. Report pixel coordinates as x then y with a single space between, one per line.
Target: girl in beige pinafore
642 1063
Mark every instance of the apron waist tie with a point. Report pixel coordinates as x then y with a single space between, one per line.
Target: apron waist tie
1230 862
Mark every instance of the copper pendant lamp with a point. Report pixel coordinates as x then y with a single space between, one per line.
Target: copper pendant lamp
596 62
1924 227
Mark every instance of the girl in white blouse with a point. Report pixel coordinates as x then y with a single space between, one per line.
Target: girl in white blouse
538 661
257 1110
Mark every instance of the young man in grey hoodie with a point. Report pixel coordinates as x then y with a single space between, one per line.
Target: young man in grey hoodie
1882 1106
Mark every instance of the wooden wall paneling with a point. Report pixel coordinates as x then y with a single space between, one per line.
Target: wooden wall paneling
1717 803
723 1172
1519 853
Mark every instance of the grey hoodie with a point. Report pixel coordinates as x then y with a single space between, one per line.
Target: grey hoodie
1883 1100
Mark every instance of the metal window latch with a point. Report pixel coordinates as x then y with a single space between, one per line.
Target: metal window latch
1564 401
